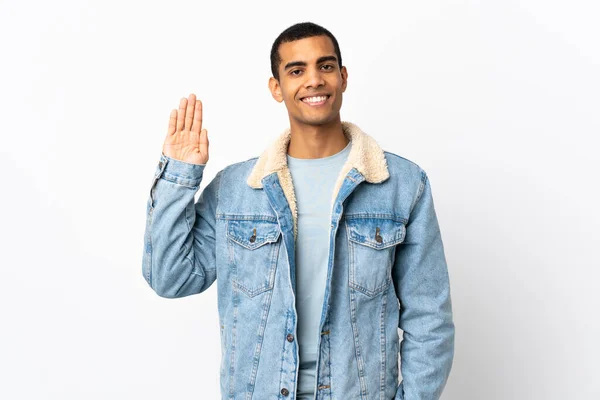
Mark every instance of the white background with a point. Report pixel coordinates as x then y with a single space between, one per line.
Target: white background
497 100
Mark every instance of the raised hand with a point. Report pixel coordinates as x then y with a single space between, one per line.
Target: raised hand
186 140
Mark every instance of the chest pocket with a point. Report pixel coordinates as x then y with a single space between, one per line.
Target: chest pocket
253 250
372 244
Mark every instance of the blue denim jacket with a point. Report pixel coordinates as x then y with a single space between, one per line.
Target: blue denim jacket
386 270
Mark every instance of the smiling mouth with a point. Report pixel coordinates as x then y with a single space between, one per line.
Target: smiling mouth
315 100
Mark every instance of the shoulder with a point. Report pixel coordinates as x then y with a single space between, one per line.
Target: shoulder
241 165
402 167
237 171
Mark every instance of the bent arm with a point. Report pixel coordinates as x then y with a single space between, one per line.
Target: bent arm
422 285
179 240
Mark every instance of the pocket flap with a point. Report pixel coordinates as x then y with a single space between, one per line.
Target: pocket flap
377 233
253 233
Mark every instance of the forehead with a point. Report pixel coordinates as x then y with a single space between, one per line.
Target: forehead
307 49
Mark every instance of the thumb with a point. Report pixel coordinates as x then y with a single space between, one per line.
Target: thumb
204 141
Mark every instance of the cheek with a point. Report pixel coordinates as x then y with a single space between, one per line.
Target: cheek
289 91
286 95
290 100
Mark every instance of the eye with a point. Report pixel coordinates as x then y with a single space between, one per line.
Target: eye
328 67
294 72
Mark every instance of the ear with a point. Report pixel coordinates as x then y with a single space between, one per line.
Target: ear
275 89
344 73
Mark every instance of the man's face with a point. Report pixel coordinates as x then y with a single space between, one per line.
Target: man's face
310 81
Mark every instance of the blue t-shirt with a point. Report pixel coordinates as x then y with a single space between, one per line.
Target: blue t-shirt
313 181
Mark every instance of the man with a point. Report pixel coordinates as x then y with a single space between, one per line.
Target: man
323 246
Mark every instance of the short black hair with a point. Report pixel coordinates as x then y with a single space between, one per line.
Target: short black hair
296 32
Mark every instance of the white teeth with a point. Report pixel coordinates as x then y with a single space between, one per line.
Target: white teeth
315 99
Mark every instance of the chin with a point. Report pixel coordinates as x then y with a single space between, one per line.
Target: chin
322 120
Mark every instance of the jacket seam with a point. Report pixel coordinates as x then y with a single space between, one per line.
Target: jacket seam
358 348
180 180
402 158
422 184
218 184
383 344
258 347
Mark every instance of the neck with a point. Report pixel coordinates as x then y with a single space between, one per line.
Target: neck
316 141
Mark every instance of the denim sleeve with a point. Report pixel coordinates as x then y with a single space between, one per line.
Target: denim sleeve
179 240
422 285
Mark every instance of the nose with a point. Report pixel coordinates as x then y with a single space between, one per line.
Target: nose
314 78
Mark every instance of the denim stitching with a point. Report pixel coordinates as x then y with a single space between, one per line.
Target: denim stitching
257 351
252 292
355 239
424 179
357 348
246 217
233 344
353 281
363 215
187 182
274 252
382 344
148 248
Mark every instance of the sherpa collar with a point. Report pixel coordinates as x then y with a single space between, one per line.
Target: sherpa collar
365 155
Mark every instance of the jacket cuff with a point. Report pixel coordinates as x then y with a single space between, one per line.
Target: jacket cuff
180 172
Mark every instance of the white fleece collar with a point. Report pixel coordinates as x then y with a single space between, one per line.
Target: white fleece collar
365 155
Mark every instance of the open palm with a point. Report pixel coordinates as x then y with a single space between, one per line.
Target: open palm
186 140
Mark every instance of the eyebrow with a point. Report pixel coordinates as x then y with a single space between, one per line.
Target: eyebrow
303 64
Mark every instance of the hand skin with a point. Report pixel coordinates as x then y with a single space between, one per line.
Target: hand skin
186 140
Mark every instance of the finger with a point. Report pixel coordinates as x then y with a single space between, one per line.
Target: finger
172 122
181 114
203 145
204 137
197 124
189 114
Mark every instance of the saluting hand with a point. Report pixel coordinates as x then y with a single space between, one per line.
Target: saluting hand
186 140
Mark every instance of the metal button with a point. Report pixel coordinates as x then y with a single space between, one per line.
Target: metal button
290 337
160 164
253 237
285 392
378 237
